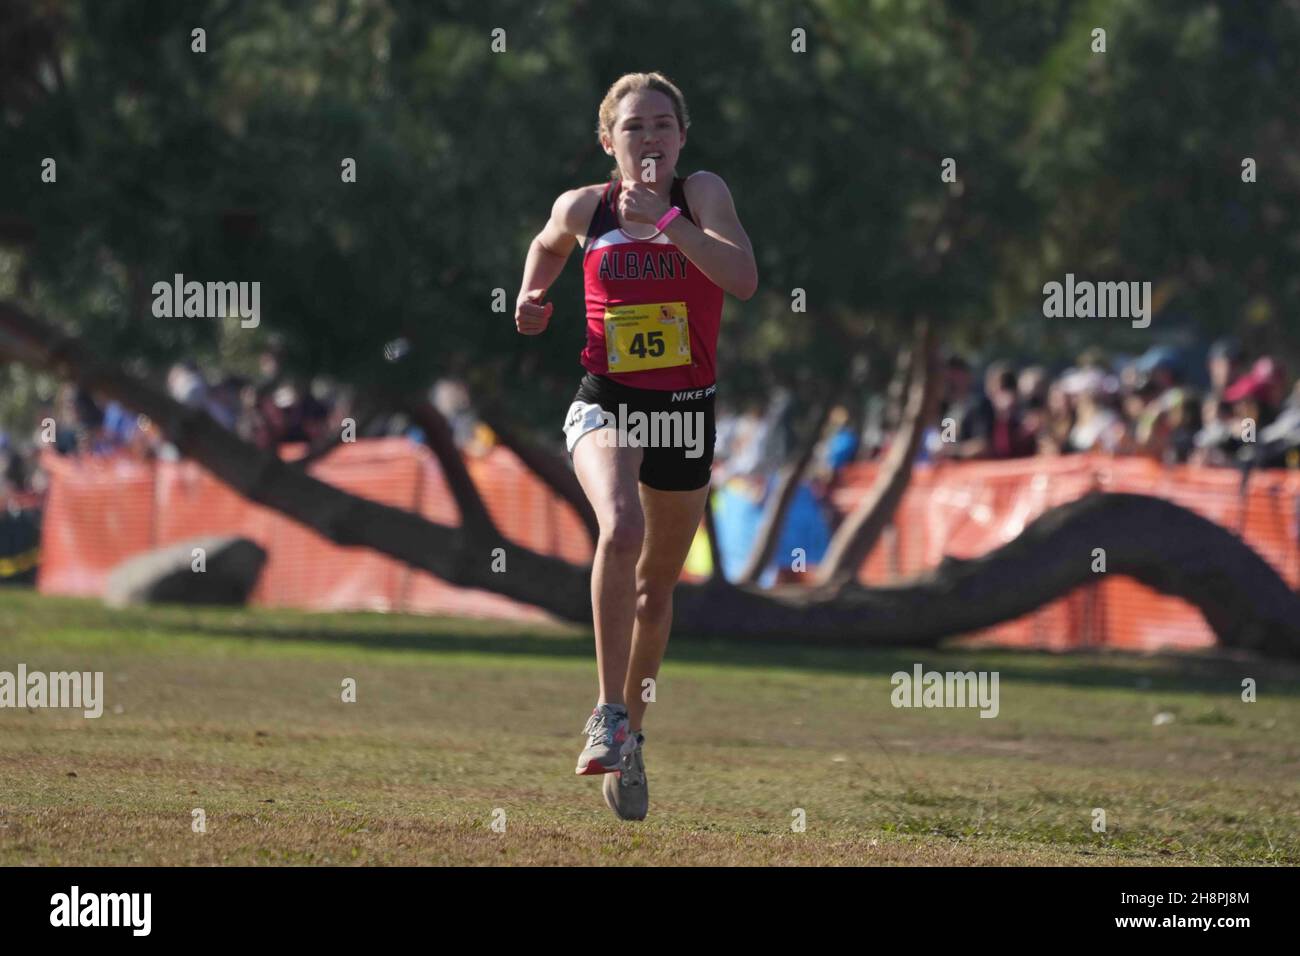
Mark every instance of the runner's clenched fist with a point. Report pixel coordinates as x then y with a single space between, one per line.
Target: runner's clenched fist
640 203
531 315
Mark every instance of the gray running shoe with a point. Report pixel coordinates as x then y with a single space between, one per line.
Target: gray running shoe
627 792
608 735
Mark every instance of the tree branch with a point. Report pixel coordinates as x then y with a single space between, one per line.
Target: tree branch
787 483
474 516
553 470
1168 548
857 535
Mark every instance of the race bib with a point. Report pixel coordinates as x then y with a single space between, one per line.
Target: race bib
641 337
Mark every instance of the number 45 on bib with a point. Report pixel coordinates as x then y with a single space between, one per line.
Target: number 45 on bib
652 335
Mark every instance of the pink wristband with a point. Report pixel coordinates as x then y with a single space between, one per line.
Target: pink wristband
667 217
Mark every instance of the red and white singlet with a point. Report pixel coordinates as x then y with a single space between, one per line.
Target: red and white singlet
652 315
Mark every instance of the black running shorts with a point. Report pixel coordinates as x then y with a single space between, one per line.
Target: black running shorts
675 430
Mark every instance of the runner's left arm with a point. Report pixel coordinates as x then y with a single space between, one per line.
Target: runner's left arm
719 246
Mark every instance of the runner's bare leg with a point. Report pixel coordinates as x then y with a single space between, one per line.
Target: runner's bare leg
671 521
608 476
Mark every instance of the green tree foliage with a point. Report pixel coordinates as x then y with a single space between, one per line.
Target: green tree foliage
225 165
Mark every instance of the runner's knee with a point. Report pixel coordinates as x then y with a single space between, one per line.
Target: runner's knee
623 533
653 598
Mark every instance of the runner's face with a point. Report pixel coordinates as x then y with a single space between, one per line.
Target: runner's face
645 127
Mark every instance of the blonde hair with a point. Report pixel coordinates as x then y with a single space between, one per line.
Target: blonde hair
634 83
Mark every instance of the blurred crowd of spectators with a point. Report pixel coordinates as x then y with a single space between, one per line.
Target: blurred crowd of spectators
269 410
1241 410
1244 412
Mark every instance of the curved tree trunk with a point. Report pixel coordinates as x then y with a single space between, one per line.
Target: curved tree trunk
552 469
1154 541
461 555
1158 543
474 517
860 531
779 498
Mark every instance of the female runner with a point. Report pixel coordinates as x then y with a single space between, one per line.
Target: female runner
659 251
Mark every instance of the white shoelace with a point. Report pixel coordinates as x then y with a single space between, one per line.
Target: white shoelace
600 726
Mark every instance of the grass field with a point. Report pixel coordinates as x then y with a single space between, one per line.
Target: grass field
240 713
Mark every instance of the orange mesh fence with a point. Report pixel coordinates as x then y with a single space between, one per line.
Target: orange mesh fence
967 509
101 511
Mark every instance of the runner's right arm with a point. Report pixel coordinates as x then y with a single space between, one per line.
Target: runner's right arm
547 254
